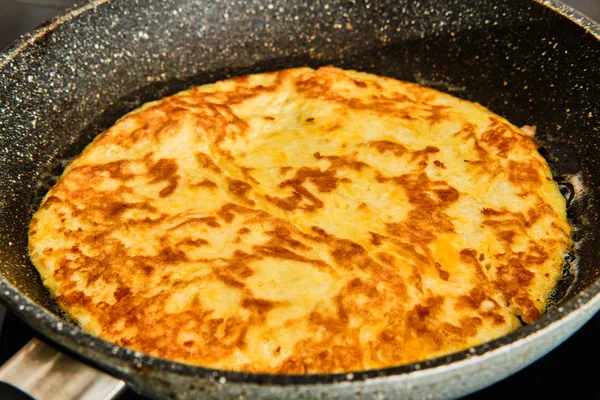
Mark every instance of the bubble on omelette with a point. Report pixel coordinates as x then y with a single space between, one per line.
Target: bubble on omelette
304 221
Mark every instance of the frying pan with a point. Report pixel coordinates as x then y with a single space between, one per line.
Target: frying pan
534 62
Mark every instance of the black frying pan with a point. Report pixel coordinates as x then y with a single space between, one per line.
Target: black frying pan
536 64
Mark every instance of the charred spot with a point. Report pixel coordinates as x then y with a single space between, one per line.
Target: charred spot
228 211
121 293
171 255
207 183
530 313
422 311
284 170
386 145
279 252
345 252
167 191
260 306
469 325
445 275
332 127
205 161
492 212
240 189
468 253
474 298
424 154
287 203
503 137
319 231
536 255
325 181
281 235
447 195
194 242
230 281
507 236
357 285
386 258
239 268
115 210
376 238
147 270
297 199
163 169
210 221
469 257
51 200
73 298
523 174
116 169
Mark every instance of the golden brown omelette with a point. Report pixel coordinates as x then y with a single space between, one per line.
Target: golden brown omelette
304 221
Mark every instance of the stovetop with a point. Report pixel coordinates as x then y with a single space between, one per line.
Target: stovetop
567 367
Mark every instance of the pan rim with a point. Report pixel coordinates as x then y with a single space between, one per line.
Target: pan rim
28 39
573 15
587 301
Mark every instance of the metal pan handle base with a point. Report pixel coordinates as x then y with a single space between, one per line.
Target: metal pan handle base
46 374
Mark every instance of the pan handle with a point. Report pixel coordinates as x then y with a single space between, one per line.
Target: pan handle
46 374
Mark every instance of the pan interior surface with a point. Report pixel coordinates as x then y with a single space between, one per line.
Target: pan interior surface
73 78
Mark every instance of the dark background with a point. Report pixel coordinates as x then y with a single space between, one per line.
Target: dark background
571 367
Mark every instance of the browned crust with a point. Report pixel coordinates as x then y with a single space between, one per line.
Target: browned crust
380 310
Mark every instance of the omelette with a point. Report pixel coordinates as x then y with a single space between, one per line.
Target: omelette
304 221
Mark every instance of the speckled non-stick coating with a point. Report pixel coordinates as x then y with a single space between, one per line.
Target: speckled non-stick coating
73 77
